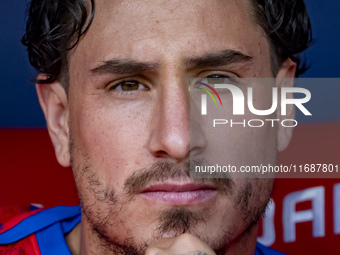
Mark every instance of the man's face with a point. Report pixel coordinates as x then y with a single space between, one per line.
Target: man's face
130 121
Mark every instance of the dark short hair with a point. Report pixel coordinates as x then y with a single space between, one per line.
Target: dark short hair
288 29
53 28
56 26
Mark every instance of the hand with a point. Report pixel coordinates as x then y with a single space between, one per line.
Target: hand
185 244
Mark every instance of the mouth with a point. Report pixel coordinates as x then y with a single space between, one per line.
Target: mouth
179 194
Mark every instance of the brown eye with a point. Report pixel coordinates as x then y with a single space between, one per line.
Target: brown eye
129 85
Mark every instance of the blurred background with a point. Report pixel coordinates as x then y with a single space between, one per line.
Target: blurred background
304 217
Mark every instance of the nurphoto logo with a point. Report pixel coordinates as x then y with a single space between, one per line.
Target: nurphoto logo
280 98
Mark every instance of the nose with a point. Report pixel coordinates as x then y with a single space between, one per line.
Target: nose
170 138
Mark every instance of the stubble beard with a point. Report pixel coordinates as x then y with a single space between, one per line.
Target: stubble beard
174 221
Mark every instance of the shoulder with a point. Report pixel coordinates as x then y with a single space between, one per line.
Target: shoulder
12 215
264 250
27 230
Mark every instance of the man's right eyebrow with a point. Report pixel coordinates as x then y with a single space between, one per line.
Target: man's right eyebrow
124 66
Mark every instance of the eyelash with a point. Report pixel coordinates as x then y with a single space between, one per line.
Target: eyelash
146 88
231 78
121 82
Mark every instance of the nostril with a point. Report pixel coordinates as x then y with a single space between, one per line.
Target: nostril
160 154
194 149
197 150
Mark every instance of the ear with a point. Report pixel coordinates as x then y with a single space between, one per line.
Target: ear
53 101
285 78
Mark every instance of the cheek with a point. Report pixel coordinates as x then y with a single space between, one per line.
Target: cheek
110 136
251 196
241 146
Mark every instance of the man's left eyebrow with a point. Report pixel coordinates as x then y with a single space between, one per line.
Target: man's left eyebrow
221 58
124 66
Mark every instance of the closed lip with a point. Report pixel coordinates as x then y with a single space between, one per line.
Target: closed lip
179 194
187 187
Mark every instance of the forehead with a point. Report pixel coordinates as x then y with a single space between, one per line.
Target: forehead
142 18
157 29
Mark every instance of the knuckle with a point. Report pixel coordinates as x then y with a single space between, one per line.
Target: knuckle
154 251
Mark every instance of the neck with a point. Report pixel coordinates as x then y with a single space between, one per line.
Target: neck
245 243
73 240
